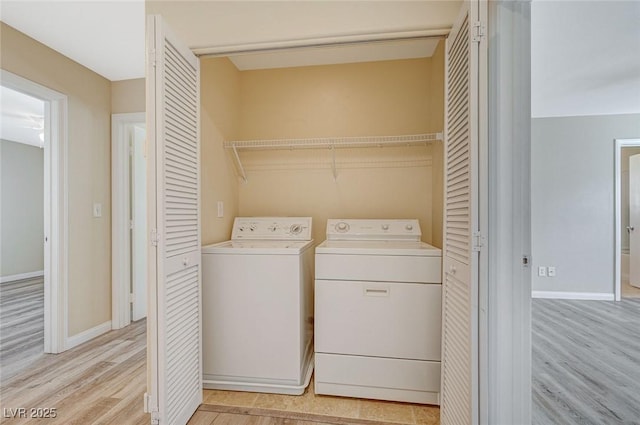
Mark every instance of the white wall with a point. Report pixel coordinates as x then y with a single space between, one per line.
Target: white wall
573 200
22 208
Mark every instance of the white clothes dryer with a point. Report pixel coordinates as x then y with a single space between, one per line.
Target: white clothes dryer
258 307
378 312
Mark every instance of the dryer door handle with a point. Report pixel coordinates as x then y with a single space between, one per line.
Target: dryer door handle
376 292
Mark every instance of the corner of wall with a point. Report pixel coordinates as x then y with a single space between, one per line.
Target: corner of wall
128 96
219 121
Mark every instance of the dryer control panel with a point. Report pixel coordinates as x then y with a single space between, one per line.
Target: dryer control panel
373 229
272 228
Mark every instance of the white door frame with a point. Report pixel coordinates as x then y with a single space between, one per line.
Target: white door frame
505 305
55 207
618 145
120 217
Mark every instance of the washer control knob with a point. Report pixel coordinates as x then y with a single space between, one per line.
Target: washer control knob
295 229
342 227
385 227
409 227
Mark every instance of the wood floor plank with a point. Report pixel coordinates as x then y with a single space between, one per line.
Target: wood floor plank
100 382
585 362
21 325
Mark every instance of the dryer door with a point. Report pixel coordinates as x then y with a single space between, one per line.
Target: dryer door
379 319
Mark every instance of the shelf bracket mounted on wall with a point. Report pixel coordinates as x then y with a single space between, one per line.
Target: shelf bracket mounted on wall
333 163
243 174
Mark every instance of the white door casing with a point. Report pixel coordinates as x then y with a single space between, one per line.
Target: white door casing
634 220
174 359
138 223
462 239
619 145
505 327
122 128
56 242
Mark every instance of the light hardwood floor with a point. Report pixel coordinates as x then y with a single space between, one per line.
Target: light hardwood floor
99 382
586 370
21 324
586 362
103 381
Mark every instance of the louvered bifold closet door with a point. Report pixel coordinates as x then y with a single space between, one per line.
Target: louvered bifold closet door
174 72
459 404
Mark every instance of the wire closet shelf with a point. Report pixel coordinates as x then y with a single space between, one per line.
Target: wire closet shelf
334 142
327 143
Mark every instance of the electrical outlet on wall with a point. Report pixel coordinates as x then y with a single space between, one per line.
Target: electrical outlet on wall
551 271
542 271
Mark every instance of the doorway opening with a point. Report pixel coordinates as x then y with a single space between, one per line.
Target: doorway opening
21 230
51 132
129 227
625 230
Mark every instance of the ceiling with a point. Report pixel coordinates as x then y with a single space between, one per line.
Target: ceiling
21 118
583 60
108 36
226 28
360 52
105 36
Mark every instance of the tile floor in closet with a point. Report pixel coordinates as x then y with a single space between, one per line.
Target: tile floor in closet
310 406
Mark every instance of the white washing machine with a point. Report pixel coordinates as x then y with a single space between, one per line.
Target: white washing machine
378 312
257 324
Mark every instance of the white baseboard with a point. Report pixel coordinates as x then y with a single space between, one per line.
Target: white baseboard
21 276
89 334
600 296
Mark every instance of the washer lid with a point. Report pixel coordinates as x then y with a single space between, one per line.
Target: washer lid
391 247
258 247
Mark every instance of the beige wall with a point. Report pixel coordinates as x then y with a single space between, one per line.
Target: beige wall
219 120
89 154
363 99
128 96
